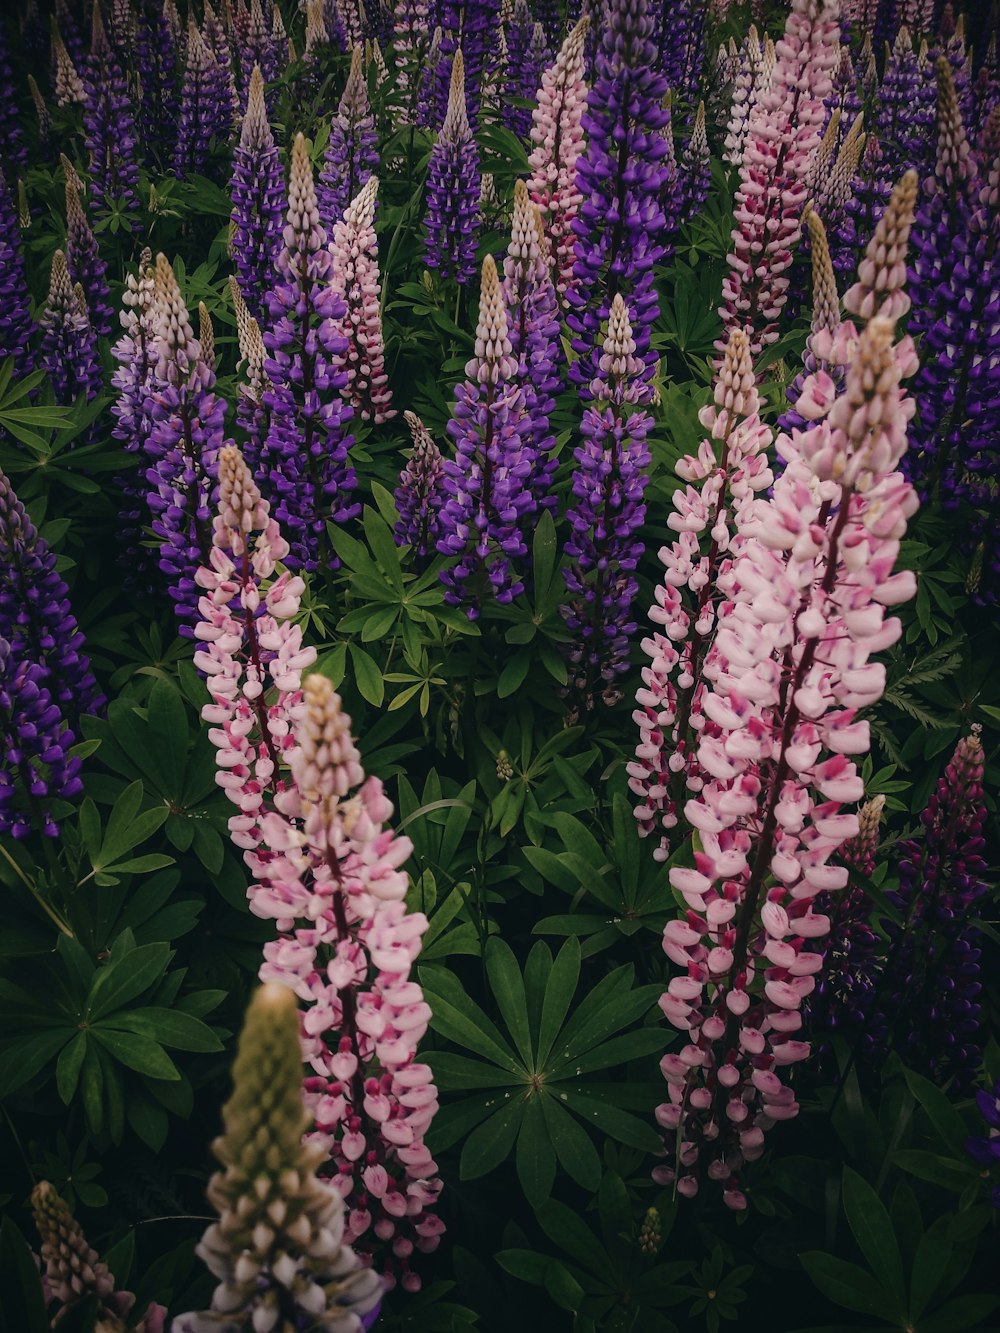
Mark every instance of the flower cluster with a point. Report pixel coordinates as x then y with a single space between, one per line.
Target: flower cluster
109 123
277 1249
351 155
16 327
419 493
485 516
182 445
606 515
669 716
205 108
453 185
788 672
68 348
784 129
304 457
355 280
558 139
621 176
257 189
83 256
985 1149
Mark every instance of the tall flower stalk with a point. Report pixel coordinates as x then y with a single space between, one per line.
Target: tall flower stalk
68 349
16 325
109 123
257 189
605 517
304 462
453 187
356 281
351 157
84 257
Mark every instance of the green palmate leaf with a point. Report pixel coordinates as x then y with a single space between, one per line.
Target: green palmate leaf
848 1285
367 676
136 1052
25 1057
493 1141
508 992
168 727
384 548
617 1124
460 1019
964 1312
567 1229
930 1264
126 977
559 992
940 1111
170 1028
455 1072
68 1067
577 1154
872 1228
536 1156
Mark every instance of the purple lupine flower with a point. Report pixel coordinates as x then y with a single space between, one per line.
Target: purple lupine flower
43 117
621 175
257 46
183 447
905 111
257 190
304 462
487 513
427 88
846 984
680 37
35 615
928 993
985 1148
206 106
865 204
68 350
133 380
468 26
71 33
453 187
35 764
251 414
606 515
419 493
13 149
523 74
533 326
156 62
84 256
351 157
411 41
109 123
214 34
956 270
695 175
16 327
67 84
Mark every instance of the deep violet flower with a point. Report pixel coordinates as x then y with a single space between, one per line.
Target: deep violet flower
16 326
83 256
206 106
156 62
68 348
257 190
985 1148
351 156
419 493
109 123
453 186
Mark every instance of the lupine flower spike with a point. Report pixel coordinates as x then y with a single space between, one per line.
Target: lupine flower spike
277 1248
351 154
622 176
258 194
453 185
790 669
485 518
305 458
83 255
419 494
785 128
109 123
68 348
355 279
183 445
206 106
705 520
69 89
557 137
606 515
330 875
16 326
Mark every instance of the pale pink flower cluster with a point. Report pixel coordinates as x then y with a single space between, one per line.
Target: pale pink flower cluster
250 649
356 280
789 670
558 137
718 489
331 878
785 128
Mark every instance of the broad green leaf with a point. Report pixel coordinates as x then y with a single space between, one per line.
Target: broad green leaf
559 994
25 1057
460 1019
367 676
139 1053
507 986
168 1027
168 727
872 1227
577 1154
528 1265
617 1051
69 1065
567 1229
964 1312
513 676
940 1111
454 1072
383 547
536 1156
930 1263
614 1122
121 980
848 1285
492 1141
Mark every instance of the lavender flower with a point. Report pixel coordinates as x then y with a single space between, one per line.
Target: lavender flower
485 518
183 446
16 327
214 33
453 185
419 493
257 46
35 764
156 62
69 343
84 257
680 36
928 994
13 149
621 176
524 70
109 123
468 26
355 280
533 327
351 156
304 462
607 513
695 175
206 106
864 206
258 194
905 111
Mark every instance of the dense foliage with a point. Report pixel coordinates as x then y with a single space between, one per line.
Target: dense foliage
499 535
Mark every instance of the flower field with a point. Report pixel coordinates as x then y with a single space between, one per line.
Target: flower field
499 708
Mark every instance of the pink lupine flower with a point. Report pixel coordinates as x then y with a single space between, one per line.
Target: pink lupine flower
707 508
784 130
790 668
330 874
252 656
355 279
558 138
